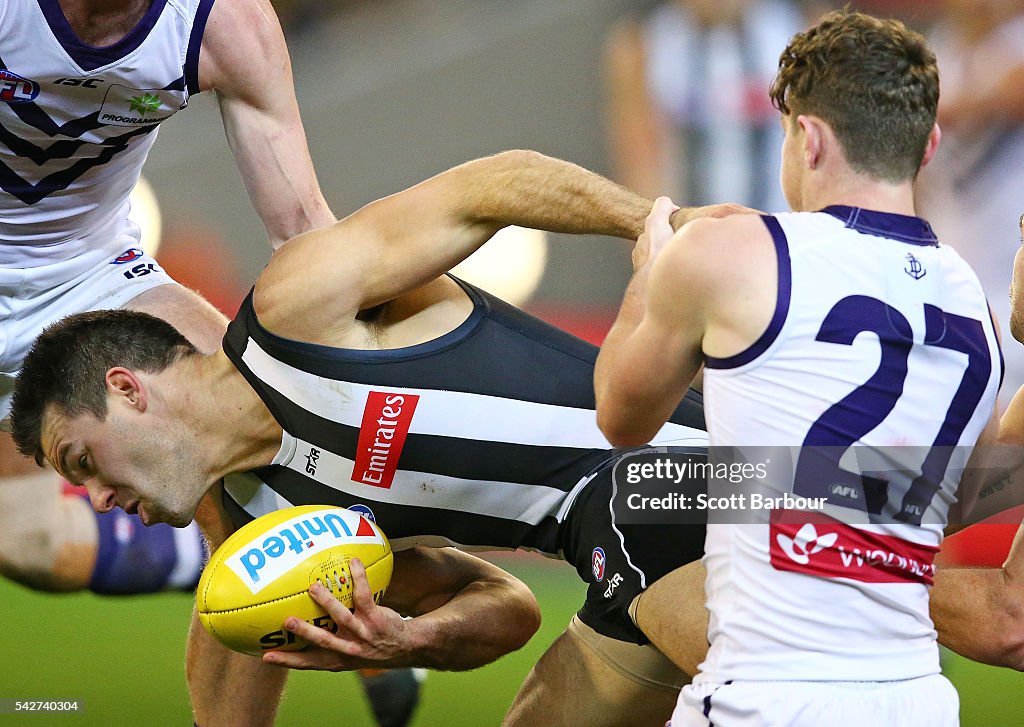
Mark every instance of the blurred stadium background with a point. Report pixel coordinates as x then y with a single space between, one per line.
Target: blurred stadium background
391 92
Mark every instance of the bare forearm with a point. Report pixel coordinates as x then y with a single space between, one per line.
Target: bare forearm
978 616
480 624
979 612
228 688
631 312
532 190
1017 294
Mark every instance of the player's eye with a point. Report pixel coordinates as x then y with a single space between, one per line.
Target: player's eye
83 462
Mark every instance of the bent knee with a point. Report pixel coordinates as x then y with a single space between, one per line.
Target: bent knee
47 544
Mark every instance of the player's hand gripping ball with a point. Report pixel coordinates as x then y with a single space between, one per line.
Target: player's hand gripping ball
262 574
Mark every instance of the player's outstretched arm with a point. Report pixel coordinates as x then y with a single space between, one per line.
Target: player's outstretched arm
979 612
397 244
467 613
245 59
226 688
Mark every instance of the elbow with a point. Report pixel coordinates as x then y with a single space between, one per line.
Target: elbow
1017 324
1007 649
519 157
523 614
618 432
1010 651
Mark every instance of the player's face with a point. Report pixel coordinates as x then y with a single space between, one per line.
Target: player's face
139 468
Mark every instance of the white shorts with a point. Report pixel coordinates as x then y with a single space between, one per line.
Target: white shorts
929 701
33 298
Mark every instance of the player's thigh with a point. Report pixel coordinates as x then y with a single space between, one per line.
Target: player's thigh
672 615
576 685
187 311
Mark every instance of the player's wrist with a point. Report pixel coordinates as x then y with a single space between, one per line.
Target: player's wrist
422 643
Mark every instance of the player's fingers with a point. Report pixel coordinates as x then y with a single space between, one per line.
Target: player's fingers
362 596
660 212
304 660
323 638
344 619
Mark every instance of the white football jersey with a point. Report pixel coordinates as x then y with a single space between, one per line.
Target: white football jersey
76 123
881 347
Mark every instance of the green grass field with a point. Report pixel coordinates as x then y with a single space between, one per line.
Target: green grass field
124 657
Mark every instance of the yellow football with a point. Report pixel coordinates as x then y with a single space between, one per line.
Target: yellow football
262 574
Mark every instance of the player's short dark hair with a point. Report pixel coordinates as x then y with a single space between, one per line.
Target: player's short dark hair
875 82
68 363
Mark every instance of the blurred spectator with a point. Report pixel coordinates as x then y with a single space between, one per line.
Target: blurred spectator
974 191
689 114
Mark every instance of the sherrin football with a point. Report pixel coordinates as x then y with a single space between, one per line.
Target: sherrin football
262 573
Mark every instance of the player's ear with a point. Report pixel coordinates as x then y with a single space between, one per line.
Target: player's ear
125 386
813 134
932 145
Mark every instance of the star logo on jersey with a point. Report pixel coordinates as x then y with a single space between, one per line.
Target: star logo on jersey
914 267
145 103
805 543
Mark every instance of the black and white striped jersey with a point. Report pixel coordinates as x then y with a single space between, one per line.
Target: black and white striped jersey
479 438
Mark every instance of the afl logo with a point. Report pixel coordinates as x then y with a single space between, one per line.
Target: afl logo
597 561
130 255
365 511
15 89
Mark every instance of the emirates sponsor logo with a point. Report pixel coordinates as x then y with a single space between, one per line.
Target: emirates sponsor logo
821 546
382 435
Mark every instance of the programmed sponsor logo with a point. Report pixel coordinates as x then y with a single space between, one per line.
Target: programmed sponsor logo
266 558
124 106
382 434
17 89
820 546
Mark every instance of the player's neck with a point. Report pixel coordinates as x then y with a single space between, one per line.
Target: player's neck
102 23
857 190
237 431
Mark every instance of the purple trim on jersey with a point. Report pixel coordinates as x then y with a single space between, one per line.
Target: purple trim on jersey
781 305
90 57
707 703
999 345
195 42
912 230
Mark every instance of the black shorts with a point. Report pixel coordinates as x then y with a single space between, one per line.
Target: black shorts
620 561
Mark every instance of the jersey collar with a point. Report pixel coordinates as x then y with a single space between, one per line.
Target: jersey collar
912 230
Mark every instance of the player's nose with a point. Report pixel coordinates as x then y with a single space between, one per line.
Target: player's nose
102 498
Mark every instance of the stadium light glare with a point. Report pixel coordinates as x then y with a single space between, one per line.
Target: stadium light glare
510 265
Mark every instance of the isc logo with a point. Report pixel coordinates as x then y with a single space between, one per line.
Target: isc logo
274 553
15 89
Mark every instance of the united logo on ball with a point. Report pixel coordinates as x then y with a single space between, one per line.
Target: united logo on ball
262 573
